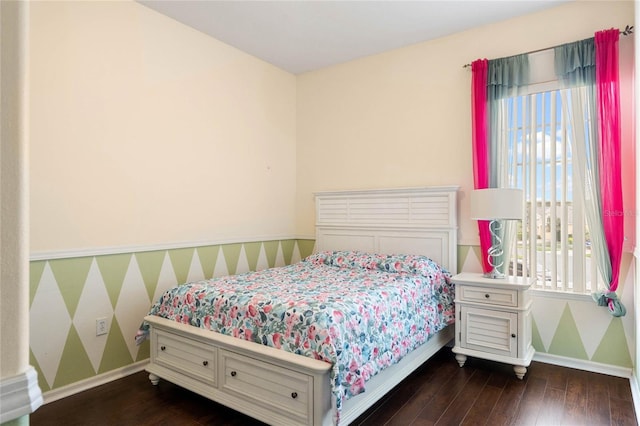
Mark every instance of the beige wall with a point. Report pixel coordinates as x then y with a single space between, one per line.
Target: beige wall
402 118
144 131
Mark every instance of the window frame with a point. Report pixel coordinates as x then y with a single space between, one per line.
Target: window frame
567 281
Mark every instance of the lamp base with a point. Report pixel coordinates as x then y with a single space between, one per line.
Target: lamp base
495 274
495 252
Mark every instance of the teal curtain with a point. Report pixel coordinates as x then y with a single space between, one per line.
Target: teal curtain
507 78
575 63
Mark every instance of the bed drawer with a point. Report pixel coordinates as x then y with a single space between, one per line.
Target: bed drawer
277 388
193 358
488 296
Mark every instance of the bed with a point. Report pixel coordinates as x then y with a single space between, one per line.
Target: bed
381 243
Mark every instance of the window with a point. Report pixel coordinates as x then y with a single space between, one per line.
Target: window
553 242
549 143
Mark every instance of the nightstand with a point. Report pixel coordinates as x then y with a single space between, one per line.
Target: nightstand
493 320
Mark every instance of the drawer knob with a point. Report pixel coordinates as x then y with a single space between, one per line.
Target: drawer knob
294 395
162 348
487 295
513 335
205 363
233 374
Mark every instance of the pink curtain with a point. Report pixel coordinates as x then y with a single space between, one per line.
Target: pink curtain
480 140
607 92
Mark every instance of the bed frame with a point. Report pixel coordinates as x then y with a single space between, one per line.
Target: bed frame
282 388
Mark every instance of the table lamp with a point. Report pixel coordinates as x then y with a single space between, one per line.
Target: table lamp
495 205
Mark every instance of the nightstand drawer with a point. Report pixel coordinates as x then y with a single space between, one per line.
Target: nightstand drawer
488 296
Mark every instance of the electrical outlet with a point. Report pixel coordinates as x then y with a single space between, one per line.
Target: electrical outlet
102 326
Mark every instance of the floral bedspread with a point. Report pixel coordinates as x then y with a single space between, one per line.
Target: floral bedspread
360 312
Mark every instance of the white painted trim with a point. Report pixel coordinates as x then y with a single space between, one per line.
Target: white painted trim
635 394
579 364
92 382
102 251
19 395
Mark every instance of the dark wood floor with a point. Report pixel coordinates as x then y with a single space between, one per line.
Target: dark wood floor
481 393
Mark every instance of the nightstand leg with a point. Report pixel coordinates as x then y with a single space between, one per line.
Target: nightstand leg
520 371
154 379
461 359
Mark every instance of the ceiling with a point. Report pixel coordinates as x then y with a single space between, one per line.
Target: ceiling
305 35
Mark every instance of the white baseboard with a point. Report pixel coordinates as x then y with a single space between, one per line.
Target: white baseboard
92 382
594 367
19 395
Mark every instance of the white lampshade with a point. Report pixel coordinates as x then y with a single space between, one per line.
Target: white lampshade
496 203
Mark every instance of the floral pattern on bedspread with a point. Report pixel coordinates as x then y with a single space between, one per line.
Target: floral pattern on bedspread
360 312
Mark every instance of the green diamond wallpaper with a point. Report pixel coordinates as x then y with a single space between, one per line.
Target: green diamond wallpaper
68 295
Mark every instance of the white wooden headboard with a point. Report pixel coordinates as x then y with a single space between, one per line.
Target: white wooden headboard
395 221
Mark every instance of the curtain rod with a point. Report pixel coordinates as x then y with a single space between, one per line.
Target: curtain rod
628 30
